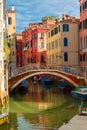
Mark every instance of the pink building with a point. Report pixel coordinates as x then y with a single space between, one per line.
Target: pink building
83 35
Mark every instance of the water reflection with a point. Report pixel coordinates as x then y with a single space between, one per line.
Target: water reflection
40 109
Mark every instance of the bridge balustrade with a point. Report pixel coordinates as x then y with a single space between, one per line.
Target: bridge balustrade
70 70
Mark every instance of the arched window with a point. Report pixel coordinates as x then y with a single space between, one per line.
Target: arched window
65 41
65 56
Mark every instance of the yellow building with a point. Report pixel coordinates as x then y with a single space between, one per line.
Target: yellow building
11 33
11 21
62 43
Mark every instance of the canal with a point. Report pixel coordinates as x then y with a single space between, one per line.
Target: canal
39 108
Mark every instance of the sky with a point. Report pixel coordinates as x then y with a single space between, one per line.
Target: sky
28 11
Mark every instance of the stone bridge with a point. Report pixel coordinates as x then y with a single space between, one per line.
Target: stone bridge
18 78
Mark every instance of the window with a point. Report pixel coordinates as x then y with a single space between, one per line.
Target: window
80 26
42 34
17 47
80 9
42 59
65 56
84 5
65 41
56 55
9 20
56 43
86 42
34 36
55 30
85 23
65 28
49 58
18 59
49 34
52 44
13 53
52 32
42 44
28 60
49 46
52 58
59 28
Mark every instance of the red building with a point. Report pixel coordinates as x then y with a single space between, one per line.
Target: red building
19 50
39 45
27 46
83 35
34 43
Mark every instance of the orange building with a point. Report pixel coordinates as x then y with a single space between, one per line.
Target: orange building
83 36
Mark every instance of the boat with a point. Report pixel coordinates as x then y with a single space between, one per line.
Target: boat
64 86
24 84
23 87
46 83
80 92
3 118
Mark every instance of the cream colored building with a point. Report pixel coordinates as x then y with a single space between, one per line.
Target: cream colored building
3 65
11 33
62 43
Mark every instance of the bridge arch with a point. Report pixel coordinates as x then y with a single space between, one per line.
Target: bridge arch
42 72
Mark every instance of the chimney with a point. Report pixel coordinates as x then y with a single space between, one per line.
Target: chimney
12 7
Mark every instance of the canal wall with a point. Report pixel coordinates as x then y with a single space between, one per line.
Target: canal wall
78 122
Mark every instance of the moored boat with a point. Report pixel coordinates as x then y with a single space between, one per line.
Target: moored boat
65 86
24 84
3 118
80 92
47 83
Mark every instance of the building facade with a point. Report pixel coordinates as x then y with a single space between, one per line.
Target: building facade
83 36
62 43
3 64
19 50
27 46
34 43
39 45
11 34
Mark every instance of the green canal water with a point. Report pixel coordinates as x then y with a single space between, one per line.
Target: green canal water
39 109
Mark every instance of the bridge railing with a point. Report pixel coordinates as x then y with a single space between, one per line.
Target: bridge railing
69 70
